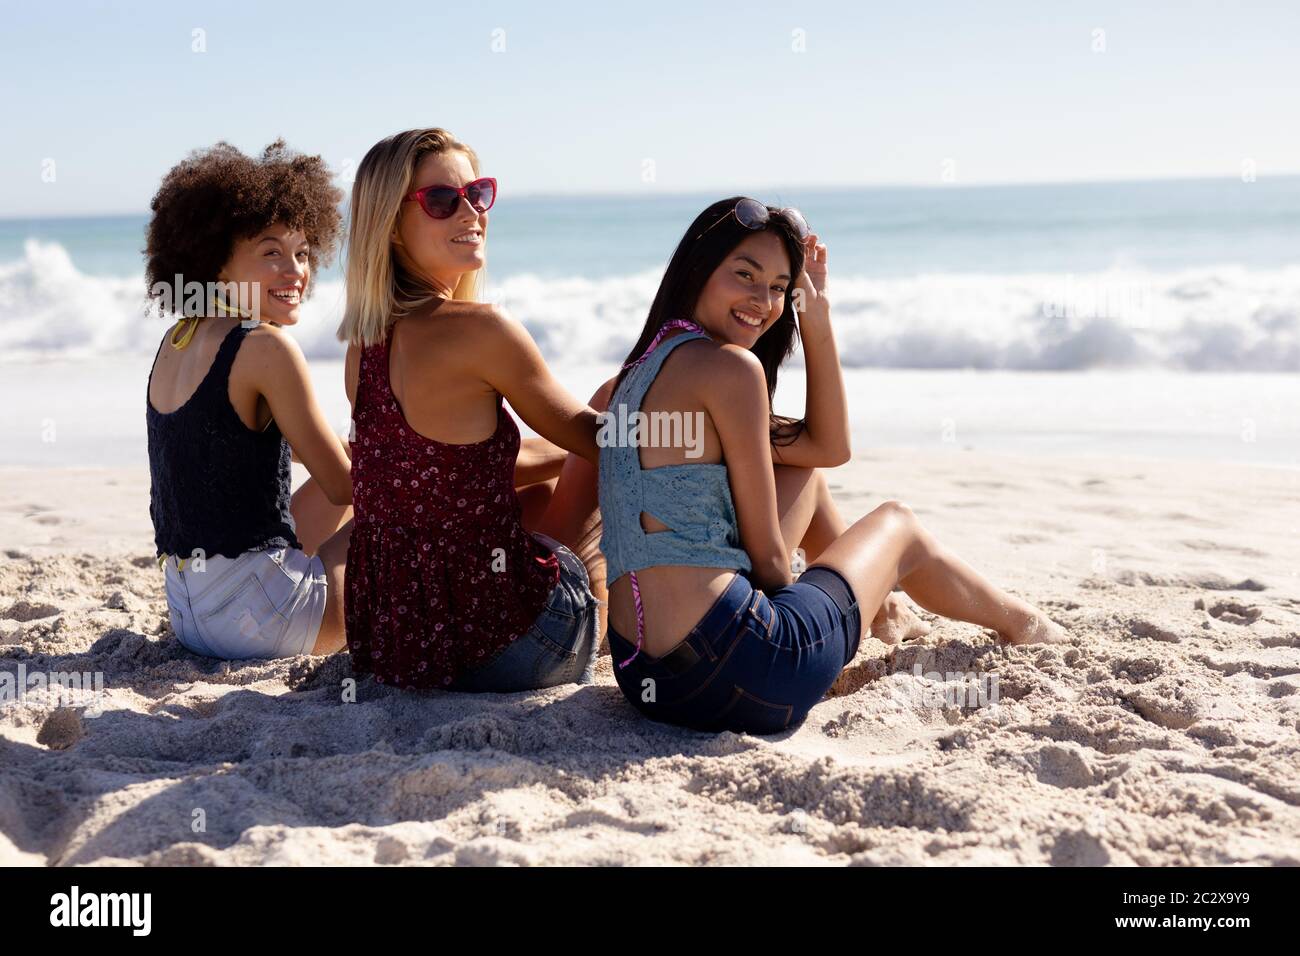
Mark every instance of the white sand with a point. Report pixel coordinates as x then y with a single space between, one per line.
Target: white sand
1167 733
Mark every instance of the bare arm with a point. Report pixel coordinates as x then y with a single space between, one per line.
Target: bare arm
351 375
280 373
735 396
825 439
347 450
513 365
539 460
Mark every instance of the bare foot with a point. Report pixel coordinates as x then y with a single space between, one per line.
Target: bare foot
896 622
1036 628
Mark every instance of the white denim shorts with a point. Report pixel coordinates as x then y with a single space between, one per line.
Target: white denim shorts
261 604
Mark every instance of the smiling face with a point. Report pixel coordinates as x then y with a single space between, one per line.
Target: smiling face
442 250
277 260
746 293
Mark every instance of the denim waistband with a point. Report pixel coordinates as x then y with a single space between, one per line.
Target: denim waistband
738 598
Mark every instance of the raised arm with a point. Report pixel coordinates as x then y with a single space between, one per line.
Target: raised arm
280 372
735 395
825 440
513 365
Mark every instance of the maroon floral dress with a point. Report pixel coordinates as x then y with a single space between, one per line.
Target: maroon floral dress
441 573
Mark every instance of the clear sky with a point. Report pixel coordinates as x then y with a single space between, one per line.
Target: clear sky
565 97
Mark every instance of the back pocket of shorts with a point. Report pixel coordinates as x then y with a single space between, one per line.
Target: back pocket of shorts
244 624
745 712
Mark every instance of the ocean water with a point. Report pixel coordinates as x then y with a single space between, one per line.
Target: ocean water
1181 275
1135 319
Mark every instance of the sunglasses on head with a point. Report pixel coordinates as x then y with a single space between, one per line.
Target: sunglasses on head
752 214
440 201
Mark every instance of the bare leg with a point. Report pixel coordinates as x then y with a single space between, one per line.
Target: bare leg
889 546
811 522
827 523
315 516
799 497
334 554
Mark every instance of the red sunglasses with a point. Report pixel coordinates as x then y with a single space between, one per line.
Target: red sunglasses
439 202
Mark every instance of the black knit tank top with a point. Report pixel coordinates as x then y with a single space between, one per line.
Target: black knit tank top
215 484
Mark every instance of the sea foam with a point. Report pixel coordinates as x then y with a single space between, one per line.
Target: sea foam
1225 318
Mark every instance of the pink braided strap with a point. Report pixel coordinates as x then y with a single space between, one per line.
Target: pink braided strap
640 620
659 336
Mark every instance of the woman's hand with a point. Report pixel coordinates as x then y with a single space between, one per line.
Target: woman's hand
810 291
824 441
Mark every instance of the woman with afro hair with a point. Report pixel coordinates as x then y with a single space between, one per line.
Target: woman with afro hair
232 248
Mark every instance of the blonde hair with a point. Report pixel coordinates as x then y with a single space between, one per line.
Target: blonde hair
380 289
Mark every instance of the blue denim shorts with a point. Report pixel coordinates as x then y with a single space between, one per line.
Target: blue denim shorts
260 604
559 647
754 663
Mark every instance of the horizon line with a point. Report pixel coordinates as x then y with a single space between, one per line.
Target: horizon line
824 187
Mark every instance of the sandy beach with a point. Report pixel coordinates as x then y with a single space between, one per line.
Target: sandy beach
1166 733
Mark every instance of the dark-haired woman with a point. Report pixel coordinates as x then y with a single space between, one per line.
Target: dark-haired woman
708 628
232 246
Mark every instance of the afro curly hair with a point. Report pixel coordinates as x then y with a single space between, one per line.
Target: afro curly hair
217 196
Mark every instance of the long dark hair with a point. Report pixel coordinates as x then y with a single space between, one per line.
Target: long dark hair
708 242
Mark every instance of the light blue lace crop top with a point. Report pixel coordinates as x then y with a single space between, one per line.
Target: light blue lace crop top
694 500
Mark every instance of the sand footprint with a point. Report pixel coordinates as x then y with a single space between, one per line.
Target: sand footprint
40 514
29 611
1230 612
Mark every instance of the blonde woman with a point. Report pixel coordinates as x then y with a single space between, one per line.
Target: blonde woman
447 585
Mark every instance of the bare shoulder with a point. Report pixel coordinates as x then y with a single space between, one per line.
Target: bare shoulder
456 339
720 371
270 349
600 400
466 322
490 332
270 338
487 319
